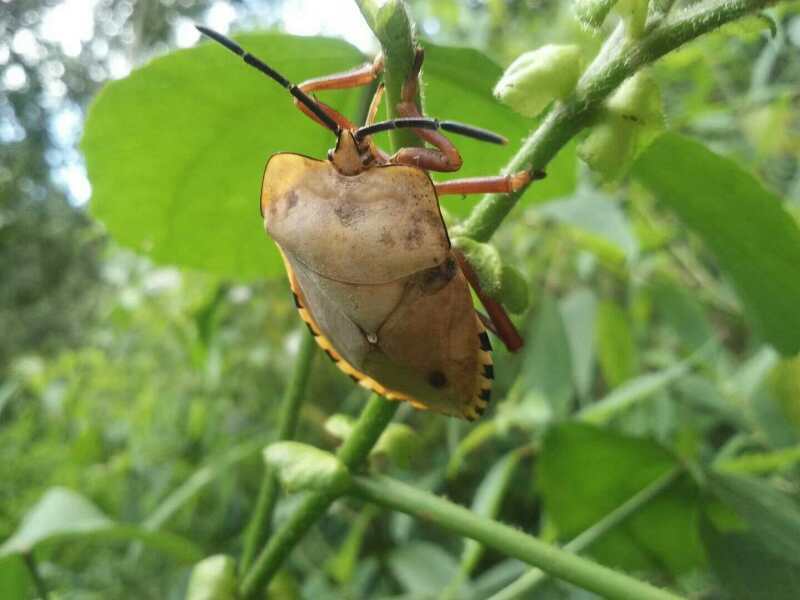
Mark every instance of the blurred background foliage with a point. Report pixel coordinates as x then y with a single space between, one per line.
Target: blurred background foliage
121 378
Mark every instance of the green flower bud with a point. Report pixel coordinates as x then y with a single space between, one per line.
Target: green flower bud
634 13
592 13
302 467
516 295
213 578
608 149
538 77
634 117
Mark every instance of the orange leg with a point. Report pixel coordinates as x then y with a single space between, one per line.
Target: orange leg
445 156
503 327
502 184
363 75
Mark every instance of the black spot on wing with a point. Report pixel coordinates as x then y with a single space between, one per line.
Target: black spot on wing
488 371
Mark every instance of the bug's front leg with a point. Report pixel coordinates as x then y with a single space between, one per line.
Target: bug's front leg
501 324
500 184
360 76
445 156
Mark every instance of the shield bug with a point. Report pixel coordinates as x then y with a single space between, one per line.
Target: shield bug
367 253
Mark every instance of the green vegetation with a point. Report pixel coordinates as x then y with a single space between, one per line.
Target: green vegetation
168 433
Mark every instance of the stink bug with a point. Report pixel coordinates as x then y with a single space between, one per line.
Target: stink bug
367 253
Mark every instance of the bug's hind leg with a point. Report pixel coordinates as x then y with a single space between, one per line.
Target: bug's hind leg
445 156
501 324
360 76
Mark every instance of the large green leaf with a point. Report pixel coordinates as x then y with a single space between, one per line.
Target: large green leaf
62 514
586 472
756 241
176 151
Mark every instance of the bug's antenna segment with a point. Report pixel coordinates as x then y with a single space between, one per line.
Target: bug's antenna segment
272 74
427 123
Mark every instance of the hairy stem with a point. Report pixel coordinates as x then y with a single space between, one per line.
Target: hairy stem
258 529
511 542
619 58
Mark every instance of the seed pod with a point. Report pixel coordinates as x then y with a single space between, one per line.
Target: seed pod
538 77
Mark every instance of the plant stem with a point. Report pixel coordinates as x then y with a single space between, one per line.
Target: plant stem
536 577
373 420
556 561
617 60
260 522
38 582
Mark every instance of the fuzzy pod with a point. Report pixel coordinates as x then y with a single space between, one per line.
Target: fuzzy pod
538 77
515 293
608 149
213 578
301 467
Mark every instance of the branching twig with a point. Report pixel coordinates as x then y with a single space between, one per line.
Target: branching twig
618 59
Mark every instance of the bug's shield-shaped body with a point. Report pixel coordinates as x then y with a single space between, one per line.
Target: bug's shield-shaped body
374 276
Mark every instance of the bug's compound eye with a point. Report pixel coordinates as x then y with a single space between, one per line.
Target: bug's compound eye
437 379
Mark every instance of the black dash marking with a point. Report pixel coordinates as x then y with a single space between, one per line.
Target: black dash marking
311 329
488 371
437 379
354 378
480 410
469 417
486 394
297 301
486 345
331 356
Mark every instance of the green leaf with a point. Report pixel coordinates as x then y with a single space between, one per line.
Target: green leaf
755 240
547 364
302 467
597 223
176 151
62 514
586 472
579 313
615 345
745 566
213 578
773 516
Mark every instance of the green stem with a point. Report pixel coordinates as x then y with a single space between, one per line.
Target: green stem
392 26
38 582
260 522
512 542
618 59
373 420
632 505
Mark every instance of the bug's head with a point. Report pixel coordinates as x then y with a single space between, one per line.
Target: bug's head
352 155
